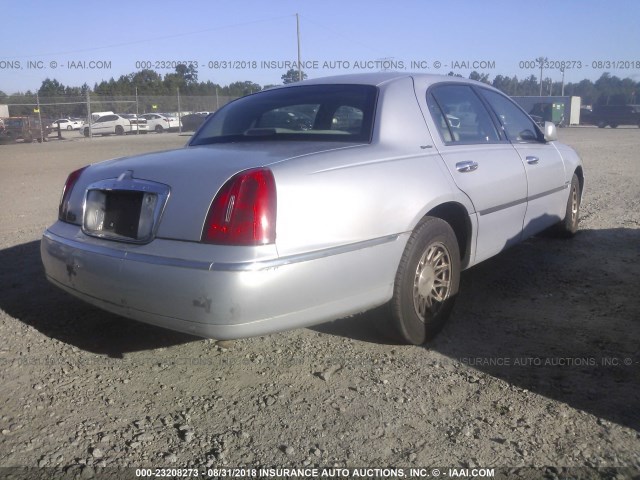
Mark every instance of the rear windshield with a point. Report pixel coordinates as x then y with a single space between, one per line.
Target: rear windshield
310 112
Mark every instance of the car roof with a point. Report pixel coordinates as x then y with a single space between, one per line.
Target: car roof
379 79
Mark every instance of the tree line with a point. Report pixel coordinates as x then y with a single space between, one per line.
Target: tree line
608 89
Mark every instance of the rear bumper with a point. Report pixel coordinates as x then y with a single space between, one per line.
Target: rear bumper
197 295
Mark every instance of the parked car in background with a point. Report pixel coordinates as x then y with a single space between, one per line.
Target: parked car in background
67 124
159 122
109 125
138 124
192 121
614 115
252 229
96 115
27 128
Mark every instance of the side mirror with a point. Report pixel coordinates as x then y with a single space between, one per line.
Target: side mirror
550 132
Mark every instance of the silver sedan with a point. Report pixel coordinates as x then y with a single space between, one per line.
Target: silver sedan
310 202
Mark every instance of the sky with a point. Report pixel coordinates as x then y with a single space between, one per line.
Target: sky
76 41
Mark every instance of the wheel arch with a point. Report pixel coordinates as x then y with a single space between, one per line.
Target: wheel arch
456 215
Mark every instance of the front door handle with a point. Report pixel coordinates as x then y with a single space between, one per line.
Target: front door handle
464 167
532 160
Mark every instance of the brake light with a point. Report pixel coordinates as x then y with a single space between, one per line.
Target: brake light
63 209
244 211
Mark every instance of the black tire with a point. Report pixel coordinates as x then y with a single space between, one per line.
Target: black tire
86 132
159 129
614 125
69 127
429 267
119 130
568 227
601 124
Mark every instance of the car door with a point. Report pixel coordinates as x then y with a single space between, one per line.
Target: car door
483 164
547 183
102 125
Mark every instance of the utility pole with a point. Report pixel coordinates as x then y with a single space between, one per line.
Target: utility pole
562 70
541 60
89 113
39 118
179 111
299 58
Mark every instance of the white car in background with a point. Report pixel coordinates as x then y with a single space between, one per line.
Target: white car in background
138 124
109 124
67 124
158 122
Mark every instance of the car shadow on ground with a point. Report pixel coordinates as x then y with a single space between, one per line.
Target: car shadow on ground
558 318
26 295
555 317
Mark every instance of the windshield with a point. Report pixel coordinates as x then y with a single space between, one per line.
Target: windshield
309 112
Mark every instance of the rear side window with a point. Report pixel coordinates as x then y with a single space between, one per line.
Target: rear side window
460 115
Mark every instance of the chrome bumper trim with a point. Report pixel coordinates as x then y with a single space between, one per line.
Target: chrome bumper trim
215 266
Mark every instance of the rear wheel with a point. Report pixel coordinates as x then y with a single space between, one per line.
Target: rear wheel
86 132
601 124
427 281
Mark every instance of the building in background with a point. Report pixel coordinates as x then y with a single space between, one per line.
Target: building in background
562 111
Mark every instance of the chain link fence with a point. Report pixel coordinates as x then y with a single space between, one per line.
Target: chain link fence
69 106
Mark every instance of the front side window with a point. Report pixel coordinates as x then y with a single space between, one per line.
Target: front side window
516 124
460 115
306 112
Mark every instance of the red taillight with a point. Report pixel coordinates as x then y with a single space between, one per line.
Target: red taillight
244 211
63 209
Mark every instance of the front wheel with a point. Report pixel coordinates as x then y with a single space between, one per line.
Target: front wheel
427 281
569 226
119 130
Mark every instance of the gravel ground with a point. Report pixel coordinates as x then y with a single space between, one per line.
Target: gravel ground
538 366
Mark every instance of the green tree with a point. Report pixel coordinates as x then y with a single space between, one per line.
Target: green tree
51 88
148 82
240 89
292 76
188 73
480 77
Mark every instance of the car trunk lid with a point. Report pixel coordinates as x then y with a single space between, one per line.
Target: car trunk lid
190 178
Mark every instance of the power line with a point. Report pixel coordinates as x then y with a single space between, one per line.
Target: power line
147 40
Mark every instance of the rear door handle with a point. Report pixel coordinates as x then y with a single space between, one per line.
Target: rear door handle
532 160
464 167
